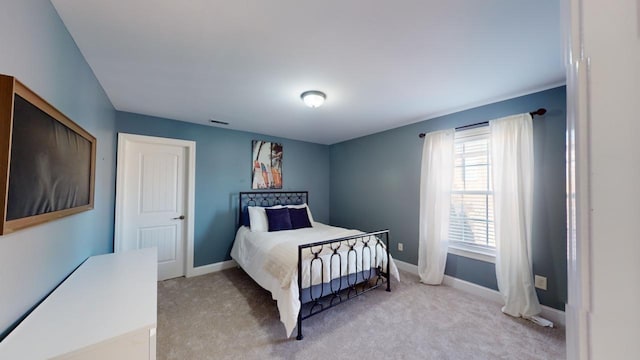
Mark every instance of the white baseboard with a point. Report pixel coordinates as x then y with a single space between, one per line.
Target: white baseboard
471 288
405 266
555 315
211 268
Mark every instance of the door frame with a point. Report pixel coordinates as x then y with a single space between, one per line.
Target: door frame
190 185
579 242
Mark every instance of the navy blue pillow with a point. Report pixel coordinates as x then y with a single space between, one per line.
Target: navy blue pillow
299 218
278 219
245 217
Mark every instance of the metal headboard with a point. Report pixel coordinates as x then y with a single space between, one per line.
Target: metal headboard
268 198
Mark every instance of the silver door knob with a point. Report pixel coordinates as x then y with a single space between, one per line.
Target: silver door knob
181 217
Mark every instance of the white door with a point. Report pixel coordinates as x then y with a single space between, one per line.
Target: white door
152 199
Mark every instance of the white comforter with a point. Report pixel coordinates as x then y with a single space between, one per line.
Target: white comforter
271 259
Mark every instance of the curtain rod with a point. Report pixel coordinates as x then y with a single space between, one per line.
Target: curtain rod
540 111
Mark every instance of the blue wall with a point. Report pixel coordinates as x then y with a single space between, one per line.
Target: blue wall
223 168
375 184
38 50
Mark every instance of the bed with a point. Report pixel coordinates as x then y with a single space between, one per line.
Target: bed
336 264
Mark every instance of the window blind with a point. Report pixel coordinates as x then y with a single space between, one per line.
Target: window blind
471 218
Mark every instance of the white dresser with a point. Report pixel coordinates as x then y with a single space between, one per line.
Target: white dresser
106 309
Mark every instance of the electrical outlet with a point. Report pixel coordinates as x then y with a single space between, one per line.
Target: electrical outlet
540 282
400 247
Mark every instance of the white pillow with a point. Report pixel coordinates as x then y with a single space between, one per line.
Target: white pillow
302 206
258 218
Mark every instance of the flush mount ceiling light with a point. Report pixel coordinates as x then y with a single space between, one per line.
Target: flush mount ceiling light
313 98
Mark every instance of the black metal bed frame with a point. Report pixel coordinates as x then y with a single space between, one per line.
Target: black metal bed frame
342 288
345 287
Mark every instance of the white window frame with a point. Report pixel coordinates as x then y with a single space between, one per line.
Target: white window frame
477 252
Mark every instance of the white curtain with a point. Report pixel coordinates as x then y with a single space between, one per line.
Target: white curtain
436 178
512 170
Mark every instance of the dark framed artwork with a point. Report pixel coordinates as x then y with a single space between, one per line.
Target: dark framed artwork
266 165
47 161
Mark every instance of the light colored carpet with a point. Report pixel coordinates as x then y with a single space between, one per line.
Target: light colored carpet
226 315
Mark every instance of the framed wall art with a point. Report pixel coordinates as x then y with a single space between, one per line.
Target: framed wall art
266 165
47 161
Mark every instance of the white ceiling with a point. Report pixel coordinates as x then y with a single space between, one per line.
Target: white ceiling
381 63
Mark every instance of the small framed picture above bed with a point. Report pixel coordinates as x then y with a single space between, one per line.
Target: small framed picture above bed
266 165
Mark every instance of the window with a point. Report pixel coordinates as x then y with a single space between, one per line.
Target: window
471 229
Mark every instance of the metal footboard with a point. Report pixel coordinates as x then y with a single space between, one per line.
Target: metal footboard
324 295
